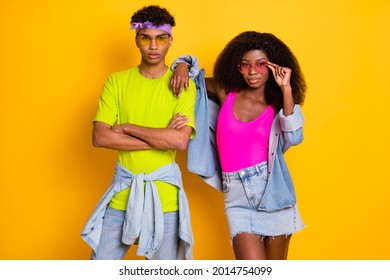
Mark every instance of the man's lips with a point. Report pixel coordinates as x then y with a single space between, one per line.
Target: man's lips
153 55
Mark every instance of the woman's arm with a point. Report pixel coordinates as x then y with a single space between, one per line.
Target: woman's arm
184 67
282 77
215 91
180 78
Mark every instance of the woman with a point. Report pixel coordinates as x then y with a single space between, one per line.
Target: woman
259 85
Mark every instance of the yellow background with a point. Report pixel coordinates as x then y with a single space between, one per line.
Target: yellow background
55 56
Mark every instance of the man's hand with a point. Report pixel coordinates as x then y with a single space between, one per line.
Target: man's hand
178 121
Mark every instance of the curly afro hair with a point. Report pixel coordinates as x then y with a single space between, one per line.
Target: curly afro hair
226 72
154 14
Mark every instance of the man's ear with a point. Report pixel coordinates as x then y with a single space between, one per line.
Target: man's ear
170 40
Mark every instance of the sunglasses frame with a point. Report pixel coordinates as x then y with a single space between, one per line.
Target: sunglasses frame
260 67
146 40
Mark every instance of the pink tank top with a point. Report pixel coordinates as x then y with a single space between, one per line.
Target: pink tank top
242 144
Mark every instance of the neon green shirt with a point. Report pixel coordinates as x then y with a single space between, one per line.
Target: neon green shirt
128 97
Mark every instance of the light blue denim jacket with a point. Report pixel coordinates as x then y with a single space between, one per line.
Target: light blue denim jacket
144 216
286 131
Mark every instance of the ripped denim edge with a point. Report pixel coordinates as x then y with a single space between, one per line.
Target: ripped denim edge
262 236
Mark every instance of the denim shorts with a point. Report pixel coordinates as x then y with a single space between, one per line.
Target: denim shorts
243 191
111 246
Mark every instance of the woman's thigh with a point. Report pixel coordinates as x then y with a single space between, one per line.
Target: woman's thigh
248 246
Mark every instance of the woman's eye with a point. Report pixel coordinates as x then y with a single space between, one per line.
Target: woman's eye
261 64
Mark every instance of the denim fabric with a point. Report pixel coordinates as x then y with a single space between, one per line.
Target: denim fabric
200 147
144 216
243 191
285 132
111 246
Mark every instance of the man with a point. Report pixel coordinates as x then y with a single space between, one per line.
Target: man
139 116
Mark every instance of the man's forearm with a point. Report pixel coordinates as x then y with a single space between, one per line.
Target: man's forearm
127 143
105 136
160 138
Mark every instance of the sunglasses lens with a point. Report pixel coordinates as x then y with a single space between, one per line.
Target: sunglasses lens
162 40
260 67
146 40
244 68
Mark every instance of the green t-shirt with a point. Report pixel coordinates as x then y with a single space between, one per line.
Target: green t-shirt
128 97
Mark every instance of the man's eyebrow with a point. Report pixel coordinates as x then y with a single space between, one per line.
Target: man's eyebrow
158 35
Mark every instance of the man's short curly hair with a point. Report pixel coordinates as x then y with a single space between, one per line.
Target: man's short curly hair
154 14
226 71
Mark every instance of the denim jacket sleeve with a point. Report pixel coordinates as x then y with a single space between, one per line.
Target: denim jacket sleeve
286 131
202 158
291 128
192 62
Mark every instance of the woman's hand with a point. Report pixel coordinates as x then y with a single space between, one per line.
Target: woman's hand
180 79
282 77
281 74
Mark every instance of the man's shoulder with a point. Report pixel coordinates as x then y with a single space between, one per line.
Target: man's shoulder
192 83
191 88
122 77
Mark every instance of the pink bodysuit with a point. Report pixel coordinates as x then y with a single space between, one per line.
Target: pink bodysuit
242 144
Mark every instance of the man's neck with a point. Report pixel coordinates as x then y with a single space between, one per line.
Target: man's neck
152 71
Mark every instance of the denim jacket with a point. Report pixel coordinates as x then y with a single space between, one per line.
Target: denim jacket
144 216
286 131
